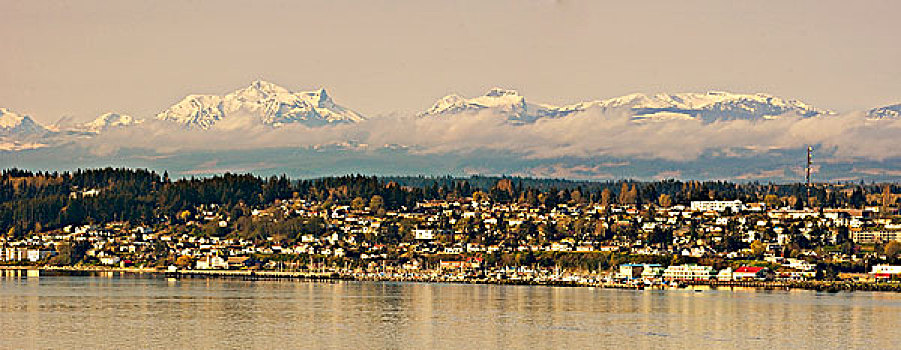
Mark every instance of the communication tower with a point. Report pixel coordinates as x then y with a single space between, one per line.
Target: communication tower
809 162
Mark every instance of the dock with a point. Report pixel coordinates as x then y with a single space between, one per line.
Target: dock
253 275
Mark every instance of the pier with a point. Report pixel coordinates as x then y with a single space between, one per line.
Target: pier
253 275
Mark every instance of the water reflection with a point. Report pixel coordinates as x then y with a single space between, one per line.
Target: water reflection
121 311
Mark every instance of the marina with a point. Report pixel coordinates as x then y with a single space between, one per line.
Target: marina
569 281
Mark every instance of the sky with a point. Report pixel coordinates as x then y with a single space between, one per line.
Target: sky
84 58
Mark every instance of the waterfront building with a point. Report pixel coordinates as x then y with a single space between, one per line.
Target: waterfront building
109 259
725 275
35 255
629 271
639 271
886 271
15 254
237 262
652 271
689 272
751 273
212 262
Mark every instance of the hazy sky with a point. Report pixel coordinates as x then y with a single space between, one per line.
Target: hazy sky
83 58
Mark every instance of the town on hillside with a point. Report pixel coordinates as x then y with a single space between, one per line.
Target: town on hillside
505 229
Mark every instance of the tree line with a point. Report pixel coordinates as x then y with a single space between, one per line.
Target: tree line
39 201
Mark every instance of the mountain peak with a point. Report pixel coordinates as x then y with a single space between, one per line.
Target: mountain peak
452 98
885 112
9 119
265 85
264 103
319 97
109 120
508 103
15 124
261 89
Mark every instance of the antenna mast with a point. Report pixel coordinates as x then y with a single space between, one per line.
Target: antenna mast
809 161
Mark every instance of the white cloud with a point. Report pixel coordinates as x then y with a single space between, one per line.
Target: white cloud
583 135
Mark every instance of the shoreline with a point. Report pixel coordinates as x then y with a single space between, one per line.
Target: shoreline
264 275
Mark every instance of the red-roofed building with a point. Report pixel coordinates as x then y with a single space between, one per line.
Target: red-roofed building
751 273
886 271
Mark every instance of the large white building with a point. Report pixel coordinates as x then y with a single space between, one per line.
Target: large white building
15 254
635 271
720 206
22 254
689 272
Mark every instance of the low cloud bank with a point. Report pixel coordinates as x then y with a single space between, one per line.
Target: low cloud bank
582 135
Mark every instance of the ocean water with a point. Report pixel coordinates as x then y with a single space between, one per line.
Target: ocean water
114 311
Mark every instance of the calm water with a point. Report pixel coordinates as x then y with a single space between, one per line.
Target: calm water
129 312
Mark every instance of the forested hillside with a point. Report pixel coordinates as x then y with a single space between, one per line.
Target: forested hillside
38 201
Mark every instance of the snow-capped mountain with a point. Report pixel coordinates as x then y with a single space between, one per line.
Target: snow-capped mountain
260 103
887 112
108 121
13 124
508 103
708 107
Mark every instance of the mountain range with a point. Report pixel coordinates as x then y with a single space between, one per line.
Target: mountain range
266 104
708 107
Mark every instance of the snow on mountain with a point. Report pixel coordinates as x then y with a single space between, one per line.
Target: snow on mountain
261 102
108 121
508 103
708 107
13 124
887 112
